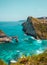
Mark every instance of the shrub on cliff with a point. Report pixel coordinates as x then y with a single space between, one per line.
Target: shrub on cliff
40 59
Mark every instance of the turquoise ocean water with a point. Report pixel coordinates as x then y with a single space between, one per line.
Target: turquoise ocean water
26 45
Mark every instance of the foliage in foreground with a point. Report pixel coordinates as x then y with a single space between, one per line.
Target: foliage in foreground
2 62
40 59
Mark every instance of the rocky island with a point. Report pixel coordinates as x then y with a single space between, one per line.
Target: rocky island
36 27
5 38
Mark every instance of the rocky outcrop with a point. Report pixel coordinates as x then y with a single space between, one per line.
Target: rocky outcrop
3 37
36 27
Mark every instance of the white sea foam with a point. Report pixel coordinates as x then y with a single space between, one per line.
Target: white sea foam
26 39
25 35
13 61
39 41
32 37
18 51
39 51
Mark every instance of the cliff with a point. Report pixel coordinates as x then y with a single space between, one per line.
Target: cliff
36 27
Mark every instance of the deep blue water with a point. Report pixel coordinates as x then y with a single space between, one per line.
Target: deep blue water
26 45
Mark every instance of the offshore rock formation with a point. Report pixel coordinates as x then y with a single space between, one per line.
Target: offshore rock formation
36 27
3 37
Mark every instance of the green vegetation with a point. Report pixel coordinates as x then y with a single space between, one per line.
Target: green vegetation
41 30
40 27
2 62
40 59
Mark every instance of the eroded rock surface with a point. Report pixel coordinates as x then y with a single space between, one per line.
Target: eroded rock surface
36 27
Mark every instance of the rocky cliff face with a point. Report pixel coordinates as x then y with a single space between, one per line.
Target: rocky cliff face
35 27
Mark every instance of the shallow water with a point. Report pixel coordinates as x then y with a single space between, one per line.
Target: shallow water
26 45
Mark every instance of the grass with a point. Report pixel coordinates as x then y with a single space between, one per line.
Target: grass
40 59
40 27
